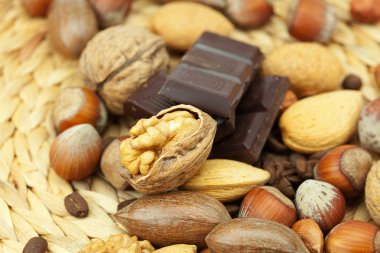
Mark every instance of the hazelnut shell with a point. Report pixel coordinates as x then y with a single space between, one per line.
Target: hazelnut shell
180 162
311 234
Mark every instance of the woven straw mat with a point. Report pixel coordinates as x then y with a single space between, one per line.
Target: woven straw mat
31 76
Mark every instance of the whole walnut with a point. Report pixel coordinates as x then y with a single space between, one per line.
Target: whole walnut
120 59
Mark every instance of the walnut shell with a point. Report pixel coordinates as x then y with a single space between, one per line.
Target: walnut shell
181 160
118 60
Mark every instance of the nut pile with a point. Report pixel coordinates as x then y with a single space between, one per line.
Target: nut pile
199 154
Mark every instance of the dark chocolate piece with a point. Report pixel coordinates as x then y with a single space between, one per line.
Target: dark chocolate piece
145 101
224 127
214 74
253 128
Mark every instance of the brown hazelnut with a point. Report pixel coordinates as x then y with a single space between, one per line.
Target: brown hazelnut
71 24
345 167
377 75
310 234
311 20
321 202
166 150
75 106
36 8
75 153
249 13
110 165
368 127
268 203
111 12
366 11
118 60
289 99
353 236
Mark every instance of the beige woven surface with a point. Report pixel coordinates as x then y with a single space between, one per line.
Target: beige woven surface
31 76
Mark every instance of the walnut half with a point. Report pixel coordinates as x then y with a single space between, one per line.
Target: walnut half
166 150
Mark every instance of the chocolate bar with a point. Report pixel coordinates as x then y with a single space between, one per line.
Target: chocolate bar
145 101
214 74
260 107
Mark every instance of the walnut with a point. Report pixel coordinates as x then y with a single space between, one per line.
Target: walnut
120 243
118 60
166 150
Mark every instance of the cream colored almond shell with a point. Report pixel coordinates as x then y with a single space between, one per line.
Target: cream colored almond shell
321 122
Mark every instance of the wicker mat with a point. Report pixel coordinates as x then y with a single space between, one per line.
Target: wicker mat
31 76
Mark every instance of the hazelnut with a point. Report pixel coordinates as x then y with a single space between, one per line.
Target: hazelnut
75 106
321 202
75 153
372 193
36 8
118 60
249 13
353 236
71 24
369 126
311 20
111 12
110 164
268 203
352 82
166 150
310 234
289 99
366 11
346 167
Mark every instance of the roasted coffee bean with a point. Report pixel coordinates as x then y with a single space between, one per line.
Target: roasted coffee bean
294 179
286 188
318 155
233 210
124 203
289 172
36 245
276 145
76 205
352 82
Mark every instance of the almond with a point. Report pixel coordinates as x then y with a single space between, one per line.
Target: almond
226 180
321 122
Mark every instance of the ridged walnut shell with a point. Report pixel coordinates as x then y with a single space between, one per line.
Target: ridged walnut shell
181 161
247 235
173 218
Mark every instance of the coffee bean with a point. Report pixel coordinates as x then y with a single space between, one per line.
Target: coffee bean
318 155
124 203
36 245
276 146
232 209
76 205
352 82
286 188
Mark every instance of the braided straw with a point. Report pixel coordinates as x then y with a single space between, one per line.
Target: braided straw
31 76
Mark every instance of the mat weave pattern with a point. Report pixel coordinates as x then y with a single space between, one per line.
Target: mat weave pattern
31 76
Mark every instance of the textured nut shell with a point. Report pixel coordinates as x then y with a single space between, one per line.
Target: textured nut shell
181 23
182 161
321 202
110 165
247 235
72 23
369 126
372 192
311 234
226 180
178 248
118 60
321 122
173 218
310 67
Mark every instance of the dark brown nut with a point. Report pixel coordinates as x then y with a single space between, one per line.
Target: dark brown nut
220 4
247 235
110 165
173 218
36 8
366 11
120 59
36 245
352 82
76 205
71 24
124 203
111 12
166 150
75 106
249 13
